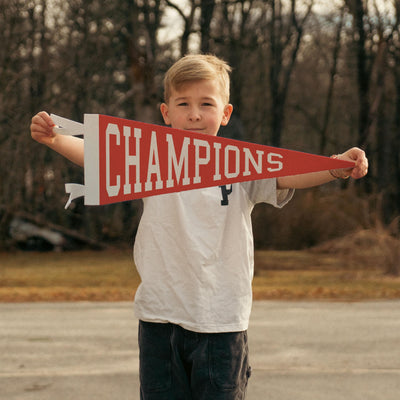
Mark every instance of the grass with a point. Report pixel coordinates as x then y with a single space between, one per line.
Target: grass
310 275
71 276
331 272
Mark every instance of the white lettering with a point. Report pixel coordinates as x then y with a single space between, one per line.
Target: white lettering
154 165
131 160
217 175
173 161
229 149
249 157
200 160
279 164
112 190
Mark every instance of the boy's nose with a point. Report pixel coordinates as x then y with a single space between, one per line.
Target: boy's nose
194 114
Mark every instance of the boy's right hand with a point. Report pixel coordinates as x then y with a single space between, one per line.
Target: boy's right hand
42 128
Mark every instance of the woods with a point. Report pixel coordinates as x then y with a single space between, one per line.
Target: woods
311 75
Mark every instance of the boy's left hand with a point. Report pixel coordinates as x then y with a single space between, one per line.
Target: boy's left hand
358 156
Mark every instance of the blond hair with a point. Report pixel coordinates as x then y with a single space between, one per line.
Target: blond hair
197 67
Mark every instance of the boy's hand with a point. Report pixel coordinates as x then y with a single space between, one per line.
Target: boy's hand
42 128
361 167
70 147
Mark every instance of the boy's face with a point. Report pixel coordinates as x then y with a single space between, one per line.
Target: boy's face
198 107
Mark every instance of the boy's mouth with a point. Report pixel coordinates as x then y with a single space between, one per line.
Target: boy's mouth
200 130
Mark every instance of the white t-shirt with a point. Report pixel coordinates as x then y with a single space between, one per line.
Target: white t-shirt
195 256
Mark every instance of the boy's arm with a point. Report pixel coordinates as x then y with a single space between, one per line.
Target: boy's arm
70 147
318 178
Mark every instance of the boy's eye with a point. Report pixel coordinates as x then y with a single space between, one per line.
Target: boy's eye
207 104
182 104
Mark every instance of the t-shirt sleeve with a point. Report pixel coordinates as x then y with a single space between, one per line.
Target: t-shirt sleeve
265 191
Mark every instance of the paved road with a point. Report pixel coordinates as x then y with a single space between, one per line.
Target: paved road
299 351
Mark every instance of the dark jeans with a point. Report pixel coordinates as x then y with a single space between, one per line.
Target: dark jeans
177 364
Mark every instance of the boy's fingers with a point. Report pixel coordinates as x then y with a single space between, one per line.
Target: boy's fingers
361 168
41 130
42 127
39 126
38 123
361 162
43 118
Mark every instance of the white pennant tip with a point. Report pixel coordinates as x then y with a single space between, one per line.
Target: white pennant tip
75 190
65 126
62 131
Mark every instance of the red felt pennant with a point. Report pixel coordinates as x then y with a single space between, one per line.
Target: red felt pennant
138 160
126 160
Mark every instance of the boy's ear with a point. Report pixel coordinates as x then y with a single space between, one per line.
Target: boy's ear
164 112
227 114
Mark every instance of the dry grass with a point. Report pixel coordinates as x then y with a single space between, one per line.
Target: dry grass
360 266
72 276
323 277
350 269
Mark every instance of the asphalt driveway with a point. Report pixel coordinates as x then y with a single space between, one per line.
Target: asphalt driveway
299 351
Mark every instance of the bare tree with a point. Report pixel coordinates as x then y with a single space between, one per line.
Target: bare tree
142 30
371 54
291 78
322 54
207 12
332 75
285 37
188 19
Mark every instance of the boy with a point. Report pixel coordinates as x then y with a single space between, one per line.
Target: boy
194 250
